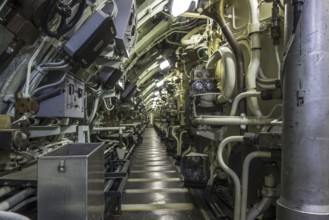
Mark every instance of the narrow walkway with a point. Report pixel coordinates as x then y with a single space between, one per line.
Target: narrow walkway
154 190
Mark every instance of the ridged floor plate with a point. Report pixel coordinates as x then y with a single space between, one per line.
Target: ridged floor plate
154 189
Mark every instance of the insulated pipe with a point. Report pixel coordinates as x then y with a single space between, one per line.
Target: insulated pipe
231 173
288 21
180 142
148 76
259 208
185 41
109 128
251 76
10 202
238 98
305 152
218 16
12 216
235 120
22 204
245 178
229 73
149 89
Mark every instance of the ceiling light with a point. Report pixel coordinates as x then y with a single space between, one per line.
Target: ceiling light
180 6
164 64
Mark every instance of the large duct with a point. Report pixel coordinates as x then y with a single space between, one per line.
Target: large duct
305 156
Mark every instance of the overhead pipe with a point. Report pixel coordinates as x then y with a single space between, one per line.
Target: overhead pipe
185 41
216 12
237 184
245 180
150 74
305 152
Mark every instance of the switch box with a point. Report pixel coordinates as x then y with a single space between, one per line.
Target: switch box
68 103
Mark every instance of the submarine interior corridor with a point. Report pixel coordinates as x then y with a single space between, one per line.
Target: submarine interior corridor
164 109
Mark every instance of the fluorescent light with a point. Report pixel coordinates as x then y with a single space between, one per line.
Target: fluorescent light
164 64
160 83
180 6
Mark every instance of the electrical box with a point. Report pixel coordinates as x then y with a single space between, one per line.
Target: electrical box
125 24
128 91
71 183
120 86
109 76
91 38
203 81
195 170
67 100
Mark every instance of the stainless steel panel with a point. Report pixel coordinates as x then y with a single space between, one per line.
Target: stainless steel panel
71 183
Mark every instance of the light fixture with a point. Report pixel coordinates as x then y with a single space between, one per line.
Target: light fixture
180 6
160 83
164 64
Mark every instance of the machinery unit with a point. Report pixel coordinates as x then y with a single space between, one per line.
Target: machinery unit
129 90
125 25
109 76
66 101
91 38
71 183
203 81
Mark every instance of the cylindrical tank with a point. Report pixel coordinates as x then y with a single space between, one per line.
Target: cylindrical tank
305 155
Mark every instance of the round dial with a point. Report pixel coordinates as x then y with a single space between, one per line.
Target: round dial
198 86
